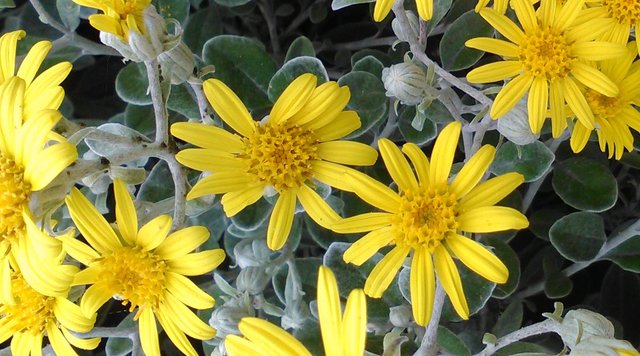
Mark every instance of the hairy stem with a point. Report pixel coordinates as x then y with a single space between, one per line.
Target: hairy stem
159 109
429 346
543 327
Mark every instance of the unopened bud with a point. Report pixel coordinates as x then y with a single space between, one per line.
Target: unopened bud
150 44
252 280
406 81
402 33
400 316
515 126
225 318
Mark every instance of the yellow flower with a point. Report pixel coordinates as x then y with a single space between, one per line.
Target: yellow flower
30 315
382 8
31 155
144 268
548 58
296 144
341 334
614 115
429 216
625 16
118 16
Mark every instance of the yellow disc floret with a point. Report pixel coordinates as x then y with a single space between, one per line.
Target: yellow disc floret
281 155
426 216
14 194
546 53
623 11
135 276
32 311
604 107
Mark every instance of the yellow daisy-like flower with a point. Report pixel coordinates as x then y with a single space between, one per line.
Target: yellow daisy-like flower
144 268
428 218
614 115
118 17
31 155
547 58
285 152
383 7
341 334
625 15
29 316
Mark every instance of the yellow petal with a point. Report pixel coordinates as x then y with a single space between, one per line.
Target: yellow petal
271 337
597 51
397 165
154 232
175 334
11 103
331 110
450 279
373 192
322 98
54 158
510 94
366 246
149 332
568 13
354 324
185 319
316 207
491 219
329 311
594 79
422 285
490 192
494 72
31 63
32 137
8 43
556 105
493 45
577 102
362 222
425 9
125 212
473 171
58 342
345 123
381 10
234 202
332 174
93 298
208 160
347 152
238 346
442 155
419 161
385 271
220 182
207 136
94 228
182 242
579 137
46 84
188 292
293 98
281 220
503 24
85 344
526 15
195 264
478 258
227 104
537 103
70 316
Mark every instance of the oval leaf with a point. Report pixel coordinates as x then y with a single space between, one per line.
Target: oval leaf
455 55
585 184
531 160
578 236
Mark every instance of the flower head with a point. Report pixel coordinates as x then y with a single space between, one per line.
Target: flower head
550 57
342 334
118 16
284 153
383 7
614 116
30 315
144 268
31 154
428 218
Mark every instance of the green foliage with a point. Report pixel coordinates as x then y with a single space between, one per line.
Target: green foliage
201 26
173 9
531 160
576 176
510 319
300 47
578 236
451 342
293 69
131 84
627 255
367 98
477 291
455 56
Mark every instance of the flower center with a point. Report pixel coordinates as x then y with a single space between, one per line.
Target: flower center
426 216
14 194
281 155
546 53
623 11
604 107
32 311
135 276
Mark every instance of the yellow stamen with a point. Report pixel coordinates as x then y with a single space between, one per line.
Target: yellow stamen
32 311
604 107
623 11
281 155
14 194
426 216
546 53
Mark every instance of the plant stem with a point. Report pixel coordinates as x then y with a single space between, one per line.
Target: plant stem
429 346
542 327
203 105
159 109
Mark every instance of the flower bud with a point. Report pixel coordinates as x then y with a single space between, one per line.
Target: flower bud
295 315
401 33
515 126
406 81
177 58
150 44
225 318
400 316
252 280
589 333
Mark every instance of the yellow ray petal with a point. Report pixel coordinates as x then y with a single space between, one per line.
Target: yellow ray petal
491 219
594 79
281 220
568 13
55 159
419 161
329 311
105 23
316 207
8 43
207 136
354 324
556 105
373 192
526 15
227 104
320 100
397 165
85 344
234 202
154 232
271 337
94 228
597 51
366 246
347 152
345 123
425 9
70 316
126 215
362 222
185 319
442 155
148 332
11 102
381 10
239 346
478 258
43 84
33 135
577 102
494 72
510 94
503 24
182 242
32 61
93 298
293 98
220 182
331 112
78 250
490 192
332 174
473 171
195 264
579 137
209 160
58 342
450 279
175 334
422 285
494 45
188 292
537 103
385 271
